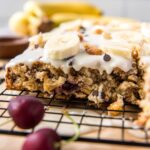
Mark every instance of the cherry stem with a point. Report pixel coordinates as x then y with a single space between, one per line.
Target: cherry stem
77 130
76 126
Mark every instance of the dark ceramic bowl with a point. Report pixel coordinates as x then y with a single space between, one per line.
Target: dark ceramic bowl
12 46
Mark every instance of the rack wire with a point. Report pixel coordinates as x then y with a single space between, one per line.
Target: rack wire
95 124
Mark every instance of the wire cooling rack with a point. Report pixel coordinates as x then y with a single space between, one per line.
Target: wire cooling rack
95 124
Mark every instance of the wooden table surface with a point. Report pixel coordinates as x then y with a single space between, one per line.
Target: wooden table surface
11 142
8 142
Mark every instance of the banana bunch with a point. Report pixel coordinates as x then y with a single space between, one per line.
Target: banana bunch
42 17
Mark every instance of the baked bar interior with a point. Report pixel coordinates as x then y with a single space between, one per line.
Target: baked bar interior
102 62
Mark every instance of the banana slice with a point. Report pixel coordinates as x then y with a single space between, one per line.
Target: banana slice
62 46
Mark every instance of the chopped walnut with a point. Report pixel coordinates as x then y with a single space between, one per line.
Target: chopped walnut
37 41
96 95
40 75
30 85
107 36
135 52
98 31
115 106
50 85
80 37
93 50
80 95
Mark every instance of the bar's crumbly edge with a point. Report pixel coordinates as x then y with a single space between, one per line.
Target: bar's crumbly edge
99 88
144 117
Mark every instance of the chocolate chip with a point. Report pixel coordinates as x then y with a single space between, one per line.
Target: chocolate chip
107 57
71 62
67 86
102 95
95 93
36 46
73 72
82 29
136 94
38 81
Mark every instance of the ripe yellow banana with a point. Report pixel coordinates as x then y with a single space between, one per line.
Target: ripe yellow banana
29 21
32 8
59 18
48 9
19 23
34 23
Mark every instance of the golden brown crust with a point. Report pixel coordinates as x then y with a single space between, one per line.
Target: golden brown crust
144 116
99 88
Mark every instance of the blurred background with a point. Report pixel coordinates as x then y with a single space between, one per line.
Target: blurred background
137 9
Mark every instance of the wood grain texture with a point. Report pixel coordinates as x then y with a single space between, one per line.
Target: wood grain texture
15 143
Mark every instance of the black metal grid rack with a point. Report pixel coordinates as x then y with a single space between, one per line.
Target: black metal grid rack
95 124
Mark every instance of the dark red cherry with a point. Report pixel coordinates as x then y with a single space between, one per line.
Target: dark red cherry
43 139
26 111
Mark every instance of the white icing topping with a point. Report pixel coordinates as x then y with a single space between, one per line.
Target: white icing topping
145 29
81 60
145 50
118 47
130 36
106 43
123 38
145 60
97 61
27 57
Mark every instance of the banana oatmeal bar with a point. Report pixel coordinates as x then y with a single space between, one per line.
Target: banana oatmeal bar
102 62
